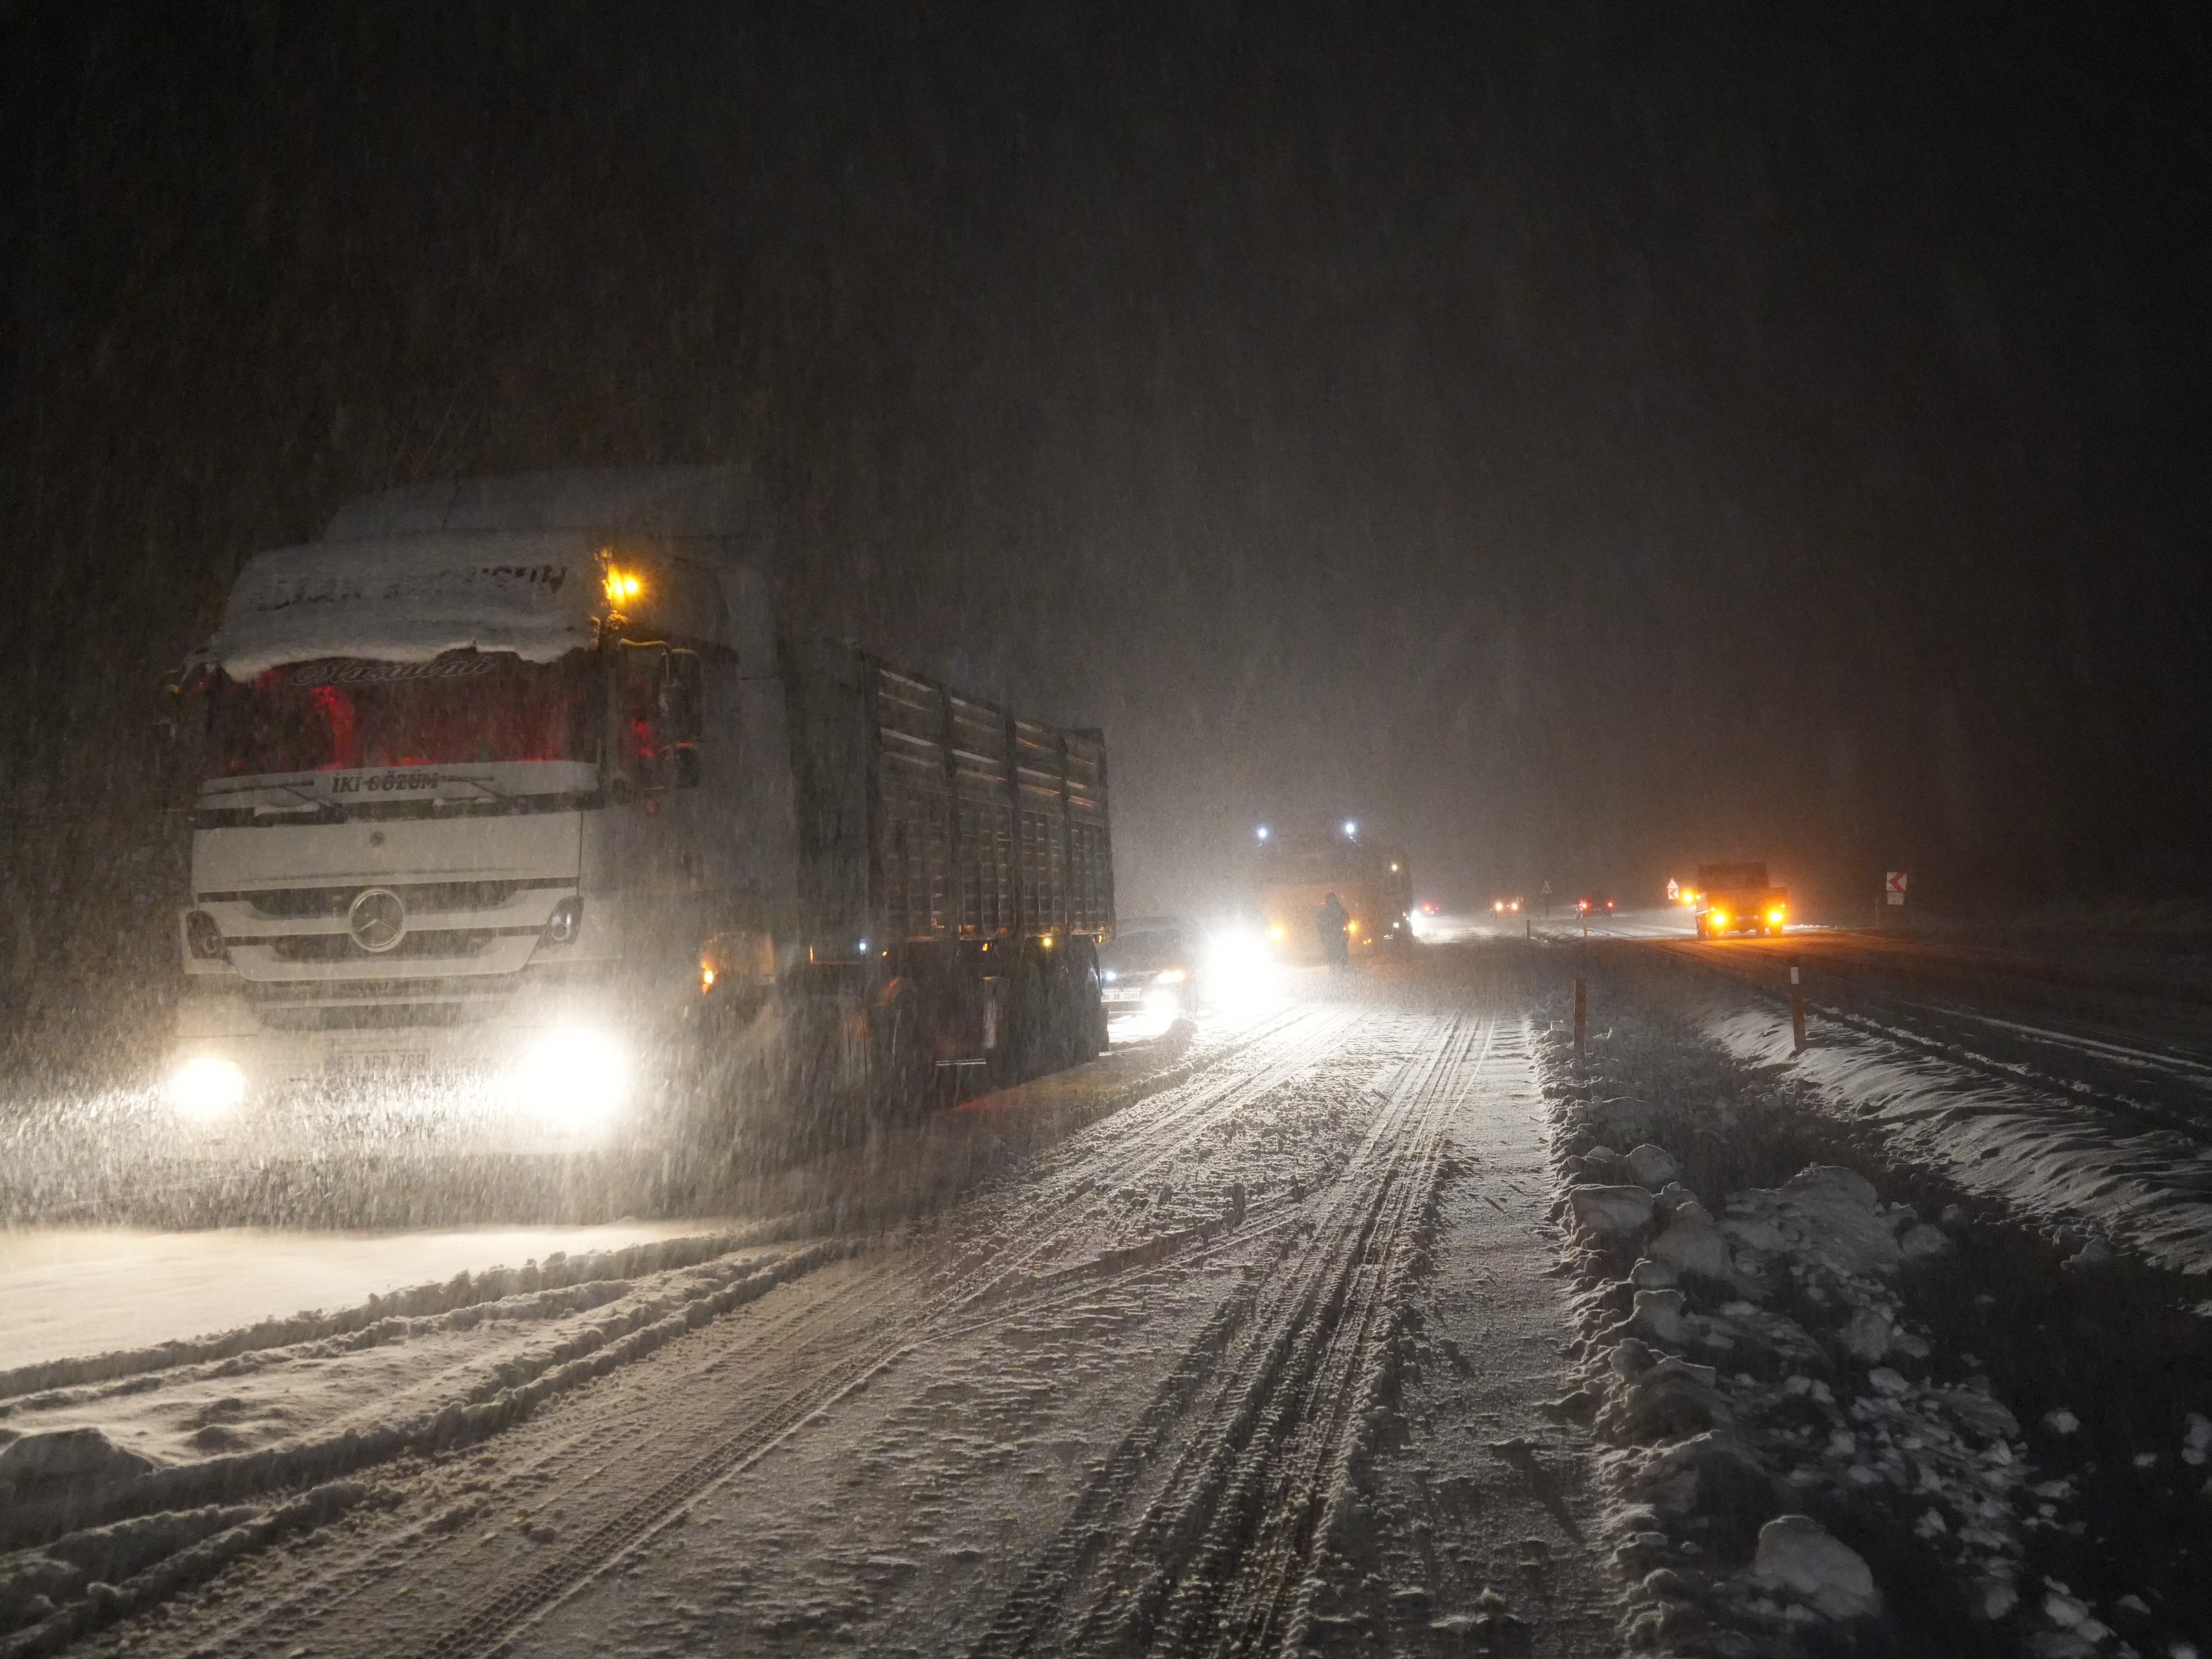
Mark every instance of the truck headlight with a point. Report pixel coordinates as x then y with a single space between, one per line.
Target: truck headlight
573 1080
566 922
204 937
206 1088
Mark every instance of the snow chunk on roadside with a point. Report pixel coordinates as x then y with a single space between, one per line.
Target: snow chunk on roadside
1653 1166
67 1457
1611 1215
1823 1213
1693 1243
1798 1554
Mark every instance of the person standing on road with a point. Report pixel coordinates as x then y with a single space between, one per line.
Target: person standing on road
1330 922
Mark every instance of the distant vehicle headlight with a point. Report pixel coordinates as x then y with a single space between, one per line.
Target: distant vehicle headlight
1720 919
206 1088
573 1080
1172 976
1774 916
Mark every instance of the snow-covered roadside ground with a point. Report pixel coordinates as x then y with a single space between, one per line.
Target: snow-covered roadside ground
75 1292
1833 1419
2062 1165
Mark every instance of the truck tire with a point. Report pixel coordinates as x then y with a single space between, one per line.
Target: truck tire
1097 1005
900 1063
1078 1012
1025 1046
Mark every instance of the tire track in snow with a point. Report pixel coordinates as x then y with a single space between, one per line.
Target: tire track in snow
903 1312
785 1364
1219 1558
864 1311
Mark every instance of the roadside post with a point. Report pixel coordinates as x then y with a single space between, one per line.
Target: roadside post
1796 1006
1892 892
1582 1011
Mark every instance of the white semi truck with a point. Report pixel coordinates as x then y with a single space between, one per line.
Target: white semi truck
513 784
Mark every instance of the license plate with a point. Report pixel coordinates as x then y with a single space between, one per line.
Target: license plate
371 1067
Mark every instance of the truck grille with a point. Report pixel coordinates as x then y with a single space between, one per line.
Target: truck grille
359 1005
297 903
374 1016
444 943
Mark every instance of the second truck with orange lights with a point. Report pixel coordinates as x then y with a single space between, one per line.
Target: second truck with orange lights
1738 898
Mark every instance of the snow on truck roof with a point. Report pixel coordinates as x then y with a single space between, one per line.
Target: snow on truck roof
535 593
509 564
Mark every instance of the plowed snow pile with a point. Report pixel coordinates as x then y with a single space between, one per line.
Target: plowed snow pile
2052 1160
1806 1463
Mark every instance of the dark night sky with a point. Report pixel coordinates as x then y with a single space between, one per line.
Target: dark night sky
1592 436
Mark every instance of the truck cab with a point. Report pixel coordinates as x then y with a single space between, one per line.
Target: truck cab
513 785
478 779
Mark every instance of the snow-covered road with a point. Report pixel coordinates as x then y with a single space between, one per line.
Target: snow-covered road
1247 1355
1364 1313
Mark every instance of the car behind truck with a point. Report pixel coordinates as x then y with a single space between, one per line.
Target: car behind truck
1737 898
514 783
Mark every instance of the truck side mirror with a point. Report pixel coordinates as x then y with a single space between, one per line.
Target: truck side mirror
180 732
661 715
682 716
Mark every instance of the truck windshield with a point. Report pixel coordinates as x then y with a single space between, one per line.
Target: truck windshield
337 714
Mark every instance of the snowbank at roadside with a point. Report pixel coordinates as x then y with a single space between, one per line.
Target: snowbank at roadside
2059 1164
72 1292
1787 1437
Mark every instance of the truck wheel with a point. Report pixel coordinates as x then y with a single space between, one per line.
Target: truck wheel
1095 1009
1062 1036
1079 1018
1025 1042
901 1067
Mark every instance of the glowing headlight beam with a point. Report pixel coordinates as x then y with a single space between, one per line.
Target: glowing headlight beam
574 1081
206 1088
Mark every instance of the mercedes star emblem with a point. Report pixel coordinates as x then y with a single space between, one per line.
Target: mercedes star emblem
377 919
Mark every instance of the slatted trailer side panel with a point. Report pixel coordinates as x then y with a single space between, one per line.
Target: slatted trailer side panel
925 814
